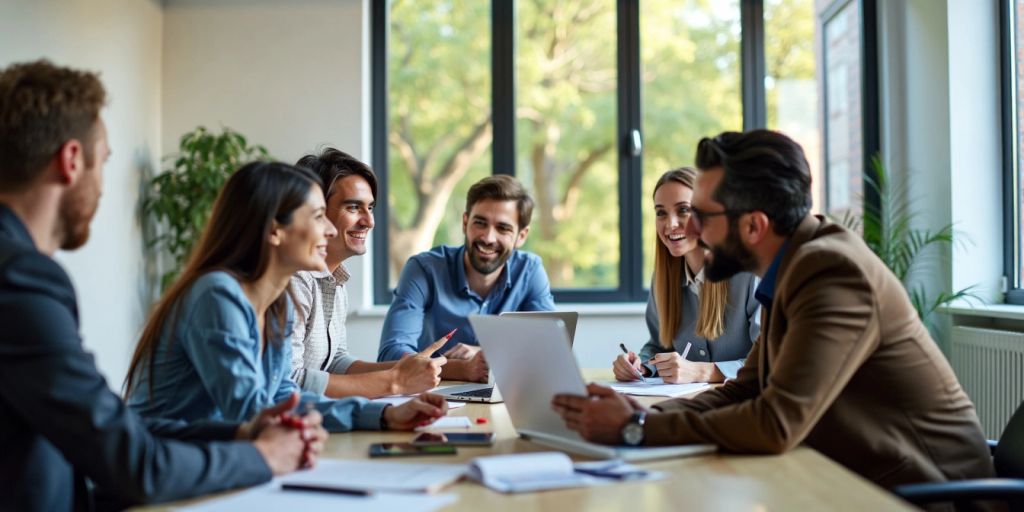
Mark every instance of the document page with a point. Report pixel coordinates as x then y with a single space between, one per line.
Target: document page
656 387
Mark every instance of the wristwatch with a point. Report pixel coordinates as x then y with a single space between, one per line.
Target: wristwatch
633 431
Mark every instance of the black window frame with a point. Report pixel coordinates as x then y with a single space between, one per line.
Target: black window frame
629 114
1011 199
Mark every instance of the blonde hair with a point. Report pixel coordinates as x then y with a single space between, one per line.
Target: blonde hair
668 274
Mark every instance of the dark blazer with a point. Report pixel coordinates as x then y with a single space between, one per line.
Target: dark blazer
65 436
844 366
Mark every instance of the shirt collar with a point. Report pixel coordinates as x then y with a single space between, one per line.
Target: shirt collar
14 227
765 292
692 278
340 274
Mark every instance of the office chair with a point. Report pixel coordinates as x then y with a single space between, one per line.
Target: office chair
1008 457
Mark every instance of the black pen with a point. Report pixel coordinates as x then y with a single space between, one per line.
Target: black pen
637 372
317 488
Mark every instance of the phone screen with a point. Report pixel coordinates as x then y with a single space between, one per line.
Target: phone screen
409 449
454 438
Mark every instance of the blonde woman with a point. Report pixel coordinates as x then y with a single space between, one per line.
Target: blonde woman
720 321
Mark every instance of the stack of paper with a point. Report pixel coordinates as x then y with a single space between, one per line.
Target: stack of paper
656 387
549 470
362 475
401 399
271 498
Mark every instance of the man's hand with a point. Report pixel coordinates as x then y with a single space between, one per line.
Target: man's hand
672 368
473 370
599 417
626 366
422 410
420 372
283 448
462 351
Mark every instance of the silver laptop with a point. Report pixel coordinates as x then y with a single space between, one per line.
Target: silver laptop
532 361
488 393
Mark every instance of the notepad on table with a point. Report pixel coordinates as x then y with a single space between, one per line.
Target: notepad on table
529 472
656 387
271 498
361 475
447 423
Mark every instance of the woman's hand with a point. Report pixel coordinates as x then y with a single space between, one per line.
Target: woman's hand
673 369
626 367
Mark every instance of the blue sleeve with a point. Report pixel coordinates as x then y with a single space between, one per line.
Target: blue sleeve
538 293
404 321
217 341
340 415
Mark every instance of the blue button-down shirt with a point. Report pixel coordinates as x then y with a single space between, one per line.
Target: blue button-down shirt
433 297
765 292
210 365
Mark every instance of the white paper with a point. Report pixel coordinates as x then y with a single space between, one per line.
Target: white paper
401 399
527 472
447 423
377 476
656 387
270 498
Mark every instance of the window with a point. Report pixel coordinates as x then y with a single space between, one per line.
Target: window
587 103
1013 142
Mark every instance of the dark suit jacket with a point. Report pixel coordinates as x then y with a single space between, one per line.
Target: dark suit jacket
63 431
845 366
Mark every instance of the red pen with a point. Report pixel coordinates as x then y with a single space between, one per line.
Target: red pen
450 334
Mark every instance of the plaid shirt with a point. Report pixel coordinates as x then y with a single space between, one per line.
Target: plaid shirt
319 346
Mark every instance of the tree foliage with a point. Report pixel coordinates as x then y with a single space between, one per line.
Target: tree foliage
566 109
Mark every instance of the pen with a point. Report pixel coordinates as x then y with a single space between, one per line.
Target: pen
686 350
637 372
317 488
450 334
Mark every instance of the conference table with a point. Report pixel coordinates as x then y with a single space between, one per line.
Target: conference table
801 479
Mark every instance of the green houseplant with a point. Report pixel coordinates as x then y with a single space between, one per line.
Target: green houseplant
178 200
887 228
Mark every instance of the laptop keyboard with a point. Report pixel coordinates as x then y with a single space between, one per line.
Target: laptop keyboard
482 393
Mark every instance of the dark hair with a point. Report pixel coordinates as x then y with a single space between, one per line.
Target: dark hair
763 170
502 187
332 165
42 106
234 240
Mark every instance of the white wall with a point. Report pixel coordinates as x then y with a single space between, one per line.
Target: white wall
941 131
121 39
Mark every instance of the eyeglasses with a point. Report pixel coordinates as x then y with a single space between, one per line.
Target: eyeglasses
699 217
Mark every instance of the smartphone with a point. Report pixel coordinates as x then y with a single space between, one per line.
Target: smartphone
454 439
409 450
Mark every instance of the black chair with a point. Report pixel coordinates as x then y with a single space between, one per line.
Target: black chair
1008 457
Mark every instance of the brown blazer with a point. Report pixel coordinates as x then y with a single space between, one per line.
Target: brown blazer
843 365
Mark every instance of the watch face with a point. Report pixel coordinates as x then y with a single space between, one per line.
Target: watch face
633 433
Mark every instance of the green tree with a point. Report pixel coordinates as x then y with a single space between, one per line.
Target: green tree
440 119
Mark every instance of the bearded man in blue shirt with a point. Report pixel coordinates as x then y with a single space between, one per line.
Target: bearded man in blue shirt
440 288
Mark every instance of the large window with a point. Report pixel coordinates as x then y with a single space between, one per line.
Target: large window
586 102
1013 120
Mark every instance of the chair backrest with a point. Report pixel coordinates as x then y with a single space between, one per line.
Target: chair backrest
1009 457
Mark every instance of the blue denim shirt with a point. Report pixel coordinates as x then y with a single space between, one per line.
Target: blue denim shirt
212 368
433 297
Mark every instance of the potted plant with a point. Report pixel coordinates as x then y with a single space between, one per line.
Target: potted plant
177 202
888 231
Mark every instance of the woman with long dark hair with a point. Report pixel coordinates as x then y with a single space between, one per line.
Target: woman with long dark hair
216 345
720 321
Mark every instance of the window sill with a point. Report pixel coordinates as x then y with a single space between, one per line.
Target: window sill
974 308
607 309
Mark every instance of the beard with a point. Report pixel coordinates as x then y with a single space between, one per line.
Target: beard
730 258
77 208
487 267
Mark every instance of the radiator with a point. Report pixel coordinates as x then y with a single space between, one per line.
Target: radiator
990 366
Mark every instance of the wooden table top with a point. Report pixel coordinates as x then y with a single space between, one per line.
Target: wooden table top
801 479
